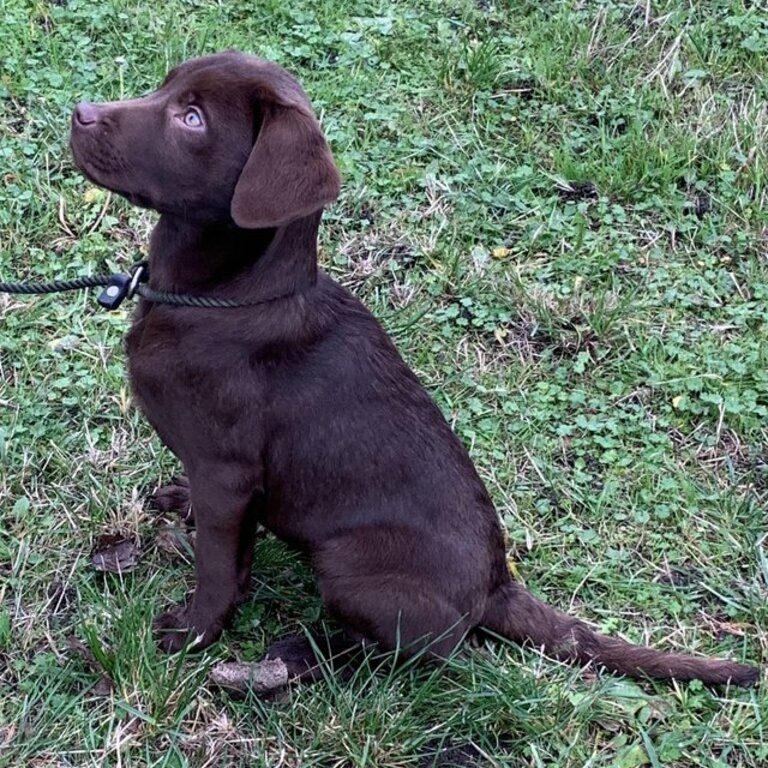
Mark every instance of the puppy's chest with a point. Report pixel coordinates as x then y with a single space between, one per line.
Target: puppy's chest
180 374
156 350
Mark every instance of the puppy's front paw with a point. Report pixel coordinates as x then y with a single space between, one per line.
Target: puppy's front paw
175 631
174 497
172 630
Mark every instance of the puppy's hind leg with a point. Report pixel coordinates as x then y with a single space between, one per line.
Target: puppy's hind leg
381 586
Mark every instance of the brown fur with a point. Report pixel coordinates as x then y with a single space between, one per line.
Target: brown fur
297 413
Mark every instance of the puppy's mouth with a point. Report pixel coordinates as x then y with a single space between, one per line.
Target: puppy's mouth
88 158
101 172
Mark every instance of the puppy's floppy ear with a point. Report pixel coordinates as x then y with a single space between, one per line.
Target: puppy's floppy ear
290 172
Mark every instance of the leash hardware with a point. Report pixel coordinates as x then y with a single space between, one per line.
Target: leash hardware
122 287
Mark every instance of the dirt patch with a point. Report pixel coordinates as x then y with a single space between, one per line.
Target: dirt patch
680 577
576 191
455 756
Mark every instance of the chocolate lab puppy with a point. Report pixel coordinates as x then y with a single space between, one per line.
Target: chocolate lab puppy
294 410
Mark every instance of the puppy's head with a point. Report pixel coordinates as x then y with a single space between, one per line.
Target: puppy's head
225 137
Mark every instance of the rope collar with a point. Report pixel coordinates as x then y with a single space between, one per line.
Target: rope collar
119 287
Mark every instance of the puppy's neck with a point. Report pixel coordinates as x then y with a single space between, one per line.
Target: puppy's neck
222 260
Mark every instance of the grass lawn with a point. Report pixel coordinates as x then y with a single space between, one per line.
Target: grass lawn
559 210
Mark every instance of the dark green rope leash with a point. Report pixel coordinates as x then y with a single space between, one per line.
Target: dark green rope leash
55 286
117 288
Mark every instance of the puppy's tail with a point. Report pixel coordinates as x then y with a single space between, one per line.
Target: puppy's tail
515 613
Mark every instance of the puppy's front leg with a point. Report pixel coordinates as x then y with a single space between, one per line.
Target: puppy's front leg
225 500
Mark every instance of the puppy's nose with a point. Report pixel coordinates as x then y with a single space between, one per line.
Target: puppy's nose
86 113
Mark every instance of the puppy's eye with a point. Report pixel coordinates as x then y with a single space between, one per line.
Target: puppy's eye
192 118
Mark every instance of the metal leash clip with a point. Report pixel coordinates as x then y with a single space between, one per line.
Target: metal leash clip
122 287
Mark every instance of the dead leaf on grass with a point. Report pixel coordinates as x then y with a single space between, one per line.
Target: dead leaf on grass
7 735
114 554
722 629
104 686
175 541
